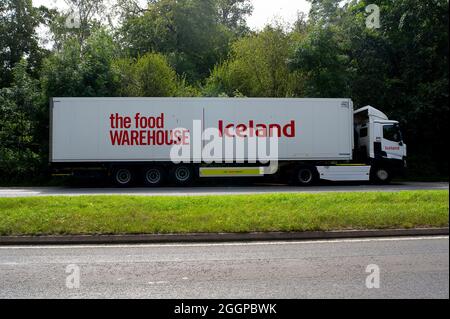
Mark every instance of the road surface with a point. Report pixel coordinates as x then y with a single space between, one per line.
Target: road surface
216 190
416 267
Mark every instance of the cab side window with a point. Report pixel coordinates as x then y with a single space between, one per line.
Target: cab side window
363 132
391 133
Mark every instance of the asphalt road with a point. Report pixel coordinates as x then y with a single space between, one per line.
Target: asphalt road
416 267
216 190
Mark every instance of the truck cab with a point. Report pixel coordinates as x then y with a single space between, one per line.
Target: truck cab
379 142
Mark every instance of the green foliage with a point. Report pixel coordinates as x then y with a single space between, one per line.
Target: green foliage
18 23
418 36
325 11
154 76
194 34
73 71
324 63
232 14
20 108
150 75
257 67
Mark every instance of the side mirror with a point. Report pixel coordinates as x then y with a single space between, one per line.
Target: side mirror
400 143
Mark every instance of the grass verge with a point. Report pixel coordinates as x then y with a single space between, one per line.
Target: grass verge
240 213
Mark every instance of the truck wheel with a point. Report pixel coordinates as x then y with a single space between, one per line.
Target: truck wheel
380 175
154 176
123 177
182 175
305 176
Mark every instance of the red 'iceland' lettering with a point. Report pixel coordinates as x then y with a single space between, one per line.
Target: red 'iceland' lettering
251 129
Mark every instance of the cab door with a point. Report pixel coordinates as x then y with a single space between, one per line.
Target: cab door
392 142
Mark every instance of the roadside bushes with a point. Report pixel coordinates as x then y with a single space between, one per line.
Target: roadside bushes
149 76
21 110
257 67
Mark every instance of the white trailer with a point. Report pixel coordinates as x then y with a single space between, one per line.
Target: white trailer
132 139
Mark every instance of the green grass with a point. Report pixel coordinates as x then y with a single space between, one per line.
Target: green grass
242 213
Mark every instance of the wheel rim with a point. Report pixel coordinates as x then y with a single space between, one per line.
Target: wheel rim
382 174
153 176
305 176
123 176
182 174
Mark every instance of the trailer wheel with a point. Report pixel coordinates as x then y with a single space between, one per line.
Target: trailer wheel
123 177
182 175
305 176
380 175
154 176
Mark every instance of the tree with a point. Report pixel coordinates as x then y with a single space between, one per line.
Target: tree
18 21
325 11
416 33
20 110
188 32
232 14
257 66
73 71
148 76
324 63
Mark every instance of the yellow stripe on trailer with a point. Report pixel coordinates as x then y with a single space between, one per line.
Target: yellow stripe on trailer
231 172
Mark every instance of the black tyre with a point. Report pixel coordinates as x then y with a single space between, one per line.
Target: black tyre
182 175
154 176
380 175
305 176
123 177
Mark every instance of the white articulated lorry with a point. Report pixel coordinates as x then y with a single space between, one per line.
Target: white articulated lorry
133 139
